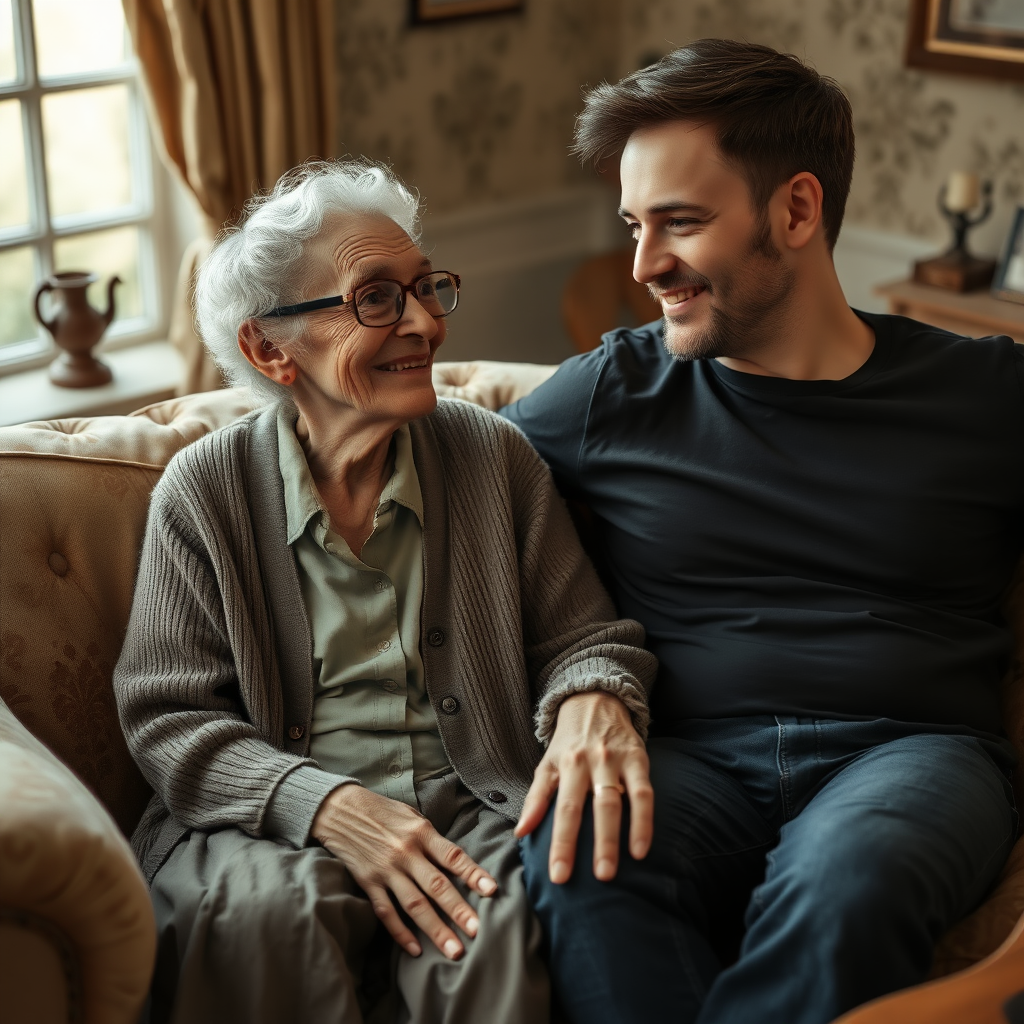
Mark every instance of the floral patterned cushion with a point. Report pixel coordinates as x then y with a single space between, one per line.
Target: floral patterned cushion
73 501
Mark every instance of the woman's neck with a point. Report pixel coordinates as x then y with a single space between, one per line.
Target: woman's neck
350 459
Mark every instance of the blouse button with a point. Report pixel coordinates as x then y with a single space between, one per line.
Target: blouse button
296 732
383 646
380 585
390 685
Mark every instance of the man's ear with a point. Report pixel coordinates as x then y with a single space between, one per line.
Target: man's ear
801 198
264 355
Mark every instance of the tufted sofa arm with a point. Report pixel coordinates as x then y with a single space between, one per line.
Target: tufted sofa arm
77 938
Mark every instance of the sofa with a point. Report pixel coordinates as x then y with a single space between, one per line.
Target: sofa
77 938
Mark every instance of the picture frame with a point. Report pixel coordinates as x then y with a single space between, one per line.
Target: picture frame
1009 280
968 37
431 12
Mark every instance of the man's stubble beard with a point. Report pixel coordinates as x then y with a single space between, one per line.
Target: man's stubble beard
739 327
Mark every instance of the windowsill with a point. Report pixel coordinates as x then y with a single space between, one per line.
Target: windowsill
143 374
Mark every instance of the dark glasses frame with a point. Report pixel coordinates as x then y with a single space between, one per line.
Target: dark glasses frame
343 300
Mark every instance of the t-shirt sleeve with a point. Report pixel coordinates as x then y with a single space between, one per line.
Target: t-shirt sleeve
554 416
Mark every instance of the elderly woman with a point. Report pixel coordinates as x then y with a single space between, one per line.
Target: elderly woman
357 613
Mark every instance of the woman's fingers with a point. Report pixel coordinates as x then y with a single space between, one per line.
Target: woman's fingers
573 786
389 847
415 903
457 862
435 884
391 919
538 799
607 825
636 771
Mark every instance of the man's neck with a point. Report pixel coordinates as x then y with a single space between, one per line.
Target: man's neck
817 336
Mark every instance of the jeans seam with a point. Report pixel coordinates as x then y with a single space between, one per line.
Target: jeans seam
783 766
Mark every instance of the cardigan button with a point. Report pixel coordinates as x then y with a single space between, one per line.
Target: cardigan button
435 637
496 796
450 706
296 732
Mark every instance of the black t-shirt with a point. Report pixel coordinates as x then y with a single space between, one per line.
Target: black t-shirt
824 548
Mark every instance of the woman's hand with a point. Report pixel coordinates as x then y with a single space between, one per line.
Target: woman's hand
388 846
594 749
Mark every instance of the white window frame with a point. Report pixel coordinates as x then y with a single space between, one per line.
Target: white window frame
43 229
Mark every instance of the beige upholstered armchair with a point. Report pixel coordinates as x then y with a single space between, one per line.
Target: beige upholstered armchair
77 939
76 929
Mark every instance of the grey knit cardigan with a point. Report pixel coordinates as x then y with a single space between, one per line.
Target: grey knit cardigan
215 686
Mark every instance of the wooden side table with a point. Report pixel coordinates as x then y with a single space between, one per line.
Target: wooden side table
973 314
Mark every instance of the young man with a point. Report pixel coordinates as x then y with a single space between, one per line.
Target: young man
814 513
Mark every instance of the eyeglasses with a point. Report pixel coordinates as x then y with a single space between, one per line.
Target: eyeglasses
382 303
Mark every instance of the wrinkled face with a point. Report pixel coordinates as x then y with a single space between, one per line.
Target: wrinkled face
702 250
382 372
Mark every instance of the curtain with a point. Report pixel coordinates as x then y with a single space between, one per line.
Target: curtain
239 92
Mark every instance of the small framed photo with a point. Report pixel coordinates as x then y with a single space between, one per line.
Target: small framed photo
970 37
429 12
1009 280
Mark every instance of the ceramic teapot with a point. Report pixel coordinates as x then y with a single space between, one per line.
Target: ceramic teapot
76 328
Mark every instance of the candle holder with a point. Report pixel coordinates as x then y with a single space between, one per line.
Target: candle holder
956 269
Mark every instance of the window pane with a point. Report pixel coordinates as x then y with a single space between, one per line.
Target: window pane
106 253
8 61
87 149
13 177
17 286
74 35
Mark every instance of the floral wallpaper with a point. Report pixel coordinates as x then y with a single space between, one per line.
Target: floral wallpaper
473 110
913 127
481 110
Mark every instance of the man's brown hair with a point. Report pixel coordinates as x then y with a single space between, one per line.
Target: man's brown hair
773 116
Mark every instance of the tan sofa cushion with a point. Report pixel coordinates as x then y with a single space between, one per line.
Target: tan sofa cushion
73 501
70 874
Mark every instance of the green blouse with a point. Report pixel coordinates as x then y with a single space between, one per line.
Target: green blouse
371 715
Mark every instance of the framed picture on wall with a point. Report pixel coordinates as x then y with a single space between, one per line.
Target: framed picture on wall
427 12
1009 280
971 37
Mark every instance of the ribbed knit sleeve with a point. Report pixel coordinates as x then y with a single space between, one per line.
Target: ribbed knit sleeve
573 641
197 684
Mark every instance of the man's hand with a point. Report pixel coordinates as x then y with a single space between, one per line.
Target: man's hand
388 846
488 383
595 747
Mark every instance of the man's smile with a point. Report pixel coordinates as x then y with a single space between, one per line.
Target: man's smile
678 297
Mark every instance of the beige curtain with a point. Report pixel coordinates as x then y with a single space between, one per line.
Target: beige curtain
242 90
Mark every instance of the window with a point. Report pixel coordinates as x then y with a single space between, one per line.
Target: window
76 169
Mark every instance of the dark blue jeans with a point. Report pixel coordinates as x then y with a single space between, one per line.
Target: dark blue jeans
799 869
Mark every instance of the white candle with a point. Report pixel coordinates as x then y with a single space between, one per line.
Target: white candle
963 190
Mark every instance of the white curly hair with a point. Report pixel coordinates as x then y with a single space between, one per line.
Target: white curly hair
259 263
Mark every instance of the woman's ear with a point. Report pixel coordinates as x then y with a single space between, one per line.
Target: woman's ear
265 355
